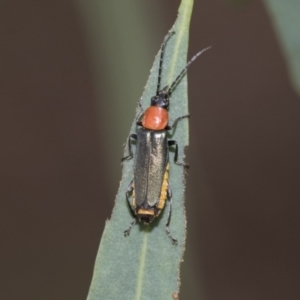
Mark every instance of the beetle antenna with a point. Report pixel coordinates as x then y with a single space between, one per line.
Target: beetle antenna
162 52
181 74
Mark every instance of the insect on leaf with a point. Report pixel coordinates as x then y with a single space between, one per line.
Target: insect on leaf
145 265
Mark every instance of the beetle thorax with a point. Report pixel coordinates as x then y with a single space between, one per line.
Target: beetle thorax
155 118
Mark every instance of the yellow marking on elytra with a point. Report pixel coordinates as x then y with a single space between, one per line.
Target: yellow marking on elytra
164 190
149 212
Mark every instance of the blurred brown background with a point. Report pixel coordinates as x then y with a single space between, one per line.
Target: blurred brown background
70 76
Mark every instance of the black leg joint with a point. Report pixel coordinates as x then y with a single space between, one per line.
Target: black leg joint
132 136
170 127
172 143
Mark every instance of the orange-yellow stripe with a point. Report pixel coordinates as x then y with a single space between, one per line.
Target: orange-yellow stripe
164 190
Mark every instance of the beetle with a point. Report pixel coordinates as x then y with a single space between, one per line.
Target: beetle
150 186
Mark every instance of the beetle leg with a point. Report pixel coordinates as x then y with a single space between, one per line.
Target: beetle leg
127 231
169 127
128 191
132 136
185 165
140 113
174 241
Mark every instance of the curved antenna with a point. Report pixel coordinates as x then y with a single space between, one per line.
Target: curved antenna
162 52
181 74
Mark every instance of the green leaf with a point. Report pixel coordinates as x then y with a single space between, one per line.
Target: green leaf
146 264
285 16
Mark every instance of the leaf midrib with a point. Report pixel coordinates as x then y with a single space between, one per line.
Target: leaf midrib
171 75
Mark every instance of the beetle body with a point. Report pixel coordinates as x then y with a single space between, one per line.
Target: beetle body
150 174
150 188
